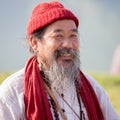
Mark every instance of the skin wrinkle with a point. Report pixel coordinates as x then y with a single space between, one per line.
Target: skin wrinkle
57 52
50 41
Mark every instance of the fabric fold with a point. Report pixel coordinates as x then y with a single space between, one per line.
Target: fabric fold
35 97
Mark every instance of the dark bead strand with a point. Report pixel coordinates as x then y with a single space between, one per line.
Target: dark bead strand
54 107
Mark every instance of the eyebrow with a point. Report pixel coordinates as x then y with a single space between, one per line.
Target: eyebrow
60 30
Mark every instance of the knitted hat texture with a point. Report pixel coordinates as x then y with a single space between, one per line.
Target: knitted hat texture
46 13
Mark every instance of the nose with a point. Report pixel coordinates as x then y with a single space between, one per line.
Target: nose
67 43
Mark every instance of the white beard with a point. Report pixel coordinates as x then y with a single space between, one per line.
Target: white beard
61 77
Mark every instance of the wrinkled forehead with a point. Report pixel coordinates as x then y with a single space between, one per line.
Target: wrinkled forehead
62 26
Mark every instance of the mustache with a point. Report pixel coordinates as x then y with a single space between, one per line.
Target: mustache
61 52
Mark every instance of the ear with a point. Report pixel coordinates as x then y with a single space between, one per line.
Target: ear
34 44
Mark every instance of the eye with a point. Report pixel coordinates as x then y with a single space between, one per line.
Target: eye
73 36
58 37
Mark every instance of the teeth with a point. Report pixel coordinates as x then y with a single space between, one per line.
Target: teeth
66 55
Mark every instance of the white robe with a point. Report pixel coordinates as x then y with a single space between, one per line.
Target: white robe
12 100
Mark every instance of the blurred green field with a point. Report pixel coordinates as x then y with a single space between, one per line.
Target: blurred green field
4 75
110 83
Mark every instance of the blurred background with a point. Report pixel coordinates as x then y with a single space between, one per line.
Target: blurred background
99 32
99 39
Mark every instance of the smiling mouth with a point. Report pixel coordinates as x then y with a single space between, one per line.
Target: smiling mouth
65 54
65 59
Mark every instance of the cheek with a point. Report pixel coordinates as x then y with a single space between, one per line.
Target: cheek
52 46
48 51
76 45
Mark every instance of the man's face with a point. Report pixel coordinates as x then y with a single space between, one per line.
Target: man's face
58 42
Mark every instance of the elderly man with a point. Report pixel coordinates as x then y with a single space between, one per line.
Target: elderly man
52 86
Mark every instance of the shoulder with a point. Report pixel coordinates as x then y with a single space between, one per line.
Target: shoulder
106 106
99 90
11 95
96 86
12 88
13 83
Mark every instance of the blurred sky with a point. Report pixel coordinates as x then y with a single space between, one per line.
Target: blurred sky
99 32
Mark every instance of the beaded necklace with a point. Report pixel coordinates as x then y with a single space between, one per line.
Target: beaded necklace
54 107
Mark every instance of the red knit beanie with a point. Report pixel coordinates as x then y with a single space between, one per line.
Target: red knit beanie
48 12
